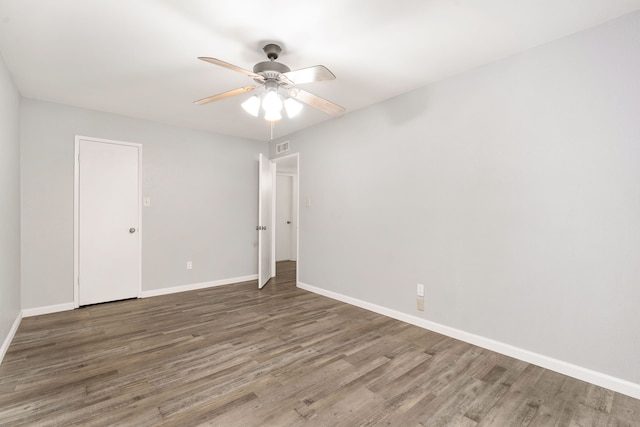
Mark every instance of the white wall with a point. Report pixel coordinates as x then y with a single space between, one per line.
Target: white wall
9 205
203 190
511 191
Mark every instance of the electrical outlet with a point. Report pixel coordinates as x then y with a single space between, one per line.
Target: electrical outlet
420 302
420 289
189 265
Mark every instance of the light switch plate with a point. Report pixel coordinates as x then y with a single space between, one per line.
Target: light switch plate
420 289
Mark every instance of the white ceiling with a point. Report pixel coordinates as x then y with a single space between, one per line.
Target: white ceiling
138 58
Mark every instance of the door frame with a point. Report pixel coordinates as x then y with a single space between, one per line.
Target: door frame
76 210
296 195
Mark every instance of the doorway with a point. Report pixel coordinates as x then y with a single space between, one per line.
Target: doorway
285 244
286 201
107 220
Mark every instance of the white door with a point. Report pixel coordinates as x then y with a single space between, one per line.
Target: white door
265 215
284 216
108 221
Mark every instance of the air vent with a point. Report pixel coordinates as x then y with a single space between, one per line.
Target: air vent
282 147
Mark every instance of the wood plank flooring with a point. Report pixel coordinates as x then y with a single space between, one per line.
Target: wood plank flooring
237 356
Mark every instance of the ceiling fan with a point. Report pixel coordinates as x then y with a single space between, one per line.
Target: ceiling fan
278 87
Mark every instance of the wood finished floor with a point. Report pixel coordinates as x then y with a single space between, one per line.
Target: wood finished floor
236 356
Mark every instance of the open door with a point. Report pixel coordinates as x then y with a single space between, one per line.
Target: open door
265 221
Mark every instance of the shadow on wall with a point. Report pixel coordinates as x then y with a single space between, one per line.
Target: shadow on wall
405 108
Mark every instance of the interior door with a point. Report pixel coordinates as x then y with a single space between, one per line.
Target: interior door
108 227
265 215
284 216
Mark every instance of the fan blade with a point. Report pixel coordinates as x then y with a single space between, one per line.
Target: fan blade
224 95
317 102
317 73
231 67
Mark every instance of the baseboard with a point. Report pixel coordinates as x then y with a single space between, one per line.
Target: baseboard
12 332
603 380
29 312
196 286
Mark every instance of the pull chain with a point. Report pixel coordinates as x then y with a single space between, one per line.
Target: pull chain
271 131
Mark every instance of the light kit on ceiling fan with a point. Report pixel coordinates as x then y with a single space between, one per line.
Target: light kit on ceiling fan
272 104
278 83
252 105
292 107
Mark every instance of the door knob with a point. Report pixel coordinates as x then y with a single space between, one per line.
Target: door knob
132 230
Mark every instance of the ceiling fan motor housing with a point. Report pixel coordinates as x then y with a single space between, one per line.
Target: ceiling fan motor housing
271 69
267 67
